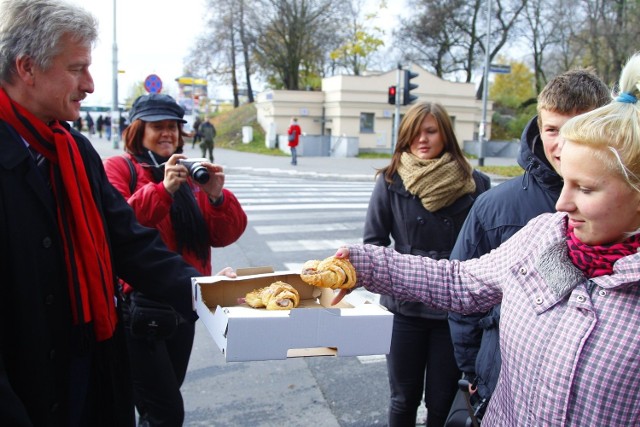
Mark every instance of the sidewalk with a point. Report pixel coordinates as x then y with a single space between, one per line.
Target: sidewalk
350 168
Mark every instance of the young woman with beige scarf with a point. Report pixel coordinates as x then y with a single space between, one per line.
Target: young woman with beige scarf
420 202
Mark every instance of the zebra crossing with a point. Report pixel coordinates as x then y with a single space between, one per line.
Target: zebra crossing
299 218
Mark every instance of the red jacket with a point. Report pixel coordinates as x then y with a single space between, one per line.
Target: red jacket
151 203
296 128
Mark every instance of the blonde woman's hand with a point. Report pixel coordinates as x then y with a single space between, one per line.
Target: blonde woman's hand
344 254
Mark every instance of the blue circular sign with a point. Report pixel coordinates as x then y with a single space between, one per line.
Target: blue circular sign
153 84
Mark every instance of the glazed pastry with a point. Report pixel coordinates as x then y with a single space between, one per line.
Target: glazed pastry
277 296
332 272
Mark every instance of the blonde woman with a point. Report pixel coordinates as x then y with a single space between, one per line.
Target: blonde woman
569 282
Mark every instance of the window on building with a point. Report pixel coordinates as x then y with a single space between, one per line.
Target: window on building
366 122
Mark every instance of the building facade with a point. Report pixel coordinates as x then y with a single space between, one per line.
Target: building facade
351 114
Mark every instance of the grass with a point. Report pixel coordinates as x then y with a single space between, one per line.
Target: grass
508 171
229 126
369 155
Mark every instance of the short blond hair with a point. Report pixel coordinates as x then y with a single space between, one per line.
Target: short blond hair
613 130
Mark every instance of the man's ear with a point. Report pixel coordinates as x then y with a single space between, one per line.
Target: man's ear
25 70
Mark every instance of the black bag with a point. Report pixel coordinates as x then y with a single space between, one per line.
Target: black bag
151 319
292 136
462 413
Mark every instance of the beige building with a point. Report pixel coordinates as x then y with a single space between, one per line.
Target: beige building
351 113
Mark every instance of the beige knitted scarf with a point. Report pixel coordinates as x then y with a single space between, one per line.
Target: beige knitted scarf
437 182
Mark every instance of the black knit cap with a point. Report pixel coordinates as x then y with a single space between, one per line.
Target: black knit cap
156 107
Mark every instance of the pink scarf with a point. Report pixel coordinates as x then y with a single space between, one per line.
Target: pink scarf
598 260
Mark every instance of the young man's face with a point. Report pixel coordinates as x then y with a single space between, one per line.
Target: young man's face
551 123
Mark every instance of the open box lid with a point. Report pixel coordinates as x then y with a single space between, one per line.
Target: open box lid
314 328
224 291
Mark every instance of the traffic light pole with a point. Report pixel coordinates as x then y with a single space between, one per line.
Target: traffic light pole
396 116
482 134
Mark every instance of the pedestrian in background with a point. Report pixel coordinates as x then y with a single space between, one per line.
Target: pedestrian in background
66 234
501 212
90 125
191 217
419 203
293 133
107 126
569 282
99 125
208 133
122 124
77 123
196 134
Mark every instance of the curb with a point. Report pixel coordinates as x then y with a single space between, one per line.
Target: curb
248 170
296 174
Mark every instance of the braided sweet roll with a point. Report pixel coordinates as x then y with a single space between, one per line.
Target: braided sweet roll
277 296
332 272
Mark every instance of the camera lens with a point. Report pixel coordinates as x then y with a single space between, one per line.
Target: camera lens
199 173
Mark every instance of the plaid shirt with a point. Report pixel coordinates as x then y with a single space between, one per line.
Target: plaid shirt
570 347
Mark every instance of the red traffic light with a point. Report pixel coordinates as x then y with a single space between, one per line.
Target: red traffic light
392 95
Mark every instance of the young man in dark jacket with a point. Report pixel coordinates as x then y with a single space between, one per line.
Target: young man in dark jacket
499 213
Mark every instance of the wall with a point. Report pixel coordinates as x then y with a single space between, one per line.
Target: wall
343 98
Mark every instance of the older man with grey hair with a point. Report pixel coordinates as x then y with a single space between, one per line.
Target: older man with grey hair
65 234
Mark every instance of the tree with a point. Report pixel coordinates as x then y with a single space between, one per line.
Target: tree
246 43
225 45
610 33
542 20
292 43
360 44
597 33
513 96
550 28
515 88
137 89
432 38
449 36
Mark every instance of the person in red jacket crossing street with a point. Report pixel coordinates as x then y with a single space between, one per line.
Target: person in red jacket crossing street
294 138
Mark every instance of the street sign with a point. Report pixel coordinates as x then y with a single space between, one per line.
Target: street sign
500 69
153 84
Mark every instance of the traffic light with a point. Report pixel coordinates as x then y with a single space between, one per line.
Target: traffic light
407 98
392 95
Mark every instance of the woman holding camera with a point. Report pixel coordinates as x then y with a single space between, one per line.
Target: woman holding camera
192 215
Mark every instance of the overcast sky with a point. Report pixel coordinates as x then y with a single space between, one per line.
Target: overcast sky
153 37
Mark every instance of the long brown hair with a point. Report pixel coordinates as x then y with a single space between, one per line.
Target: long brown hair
410 129
133 134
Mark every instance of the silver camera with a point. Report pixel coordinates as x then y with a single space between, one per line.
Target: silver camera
196 169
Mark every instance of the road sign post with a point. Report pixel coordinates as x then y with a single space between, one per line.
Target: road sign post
153 84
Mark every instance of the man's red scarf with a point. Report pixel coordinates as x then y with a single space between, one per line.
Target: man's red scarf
87 256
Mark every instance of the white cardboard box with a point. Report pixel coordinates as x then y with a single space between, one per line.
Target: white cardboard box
314 328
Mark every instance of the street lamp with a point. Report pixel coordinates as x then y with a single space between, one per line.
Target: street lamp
115 122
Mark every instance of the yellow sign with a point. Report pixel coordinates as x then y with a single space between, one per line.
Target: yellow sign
191 81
